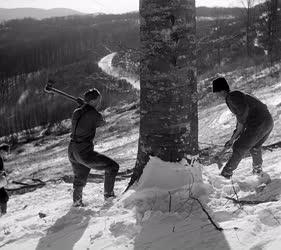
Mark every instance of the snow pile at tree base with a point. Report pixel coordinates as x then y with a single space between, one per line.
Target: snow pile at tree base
168 187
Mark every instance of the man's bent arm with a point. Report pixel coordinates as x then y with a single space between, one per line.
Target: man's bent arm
239 129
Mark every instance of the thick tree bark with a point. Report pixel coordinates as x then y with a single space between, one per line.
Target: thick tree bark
273 22
168 105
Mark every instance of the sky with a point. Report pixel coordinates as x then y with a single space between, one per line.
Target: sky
106 6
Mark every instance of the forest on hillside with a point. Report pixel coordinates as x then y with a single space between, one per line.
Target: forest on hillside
67 50
63 49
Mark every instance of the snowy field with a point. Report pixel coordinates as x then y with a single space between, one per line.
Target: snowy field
175 206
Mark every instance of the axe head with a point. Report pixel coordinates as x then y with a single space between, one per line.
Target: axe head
217 160
49 86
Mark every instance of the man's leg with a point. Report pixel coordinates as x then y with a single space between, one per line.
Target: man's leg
257 159
98 161
234 160
3 208
81 173
80 179
256 152
247 140
109 179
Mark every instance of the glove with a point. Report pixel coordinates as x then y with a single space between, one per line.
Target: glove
80 101
228 144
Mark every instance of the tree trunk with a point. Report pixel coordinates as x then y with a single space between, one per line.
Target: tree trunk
248 30
168 90
273 32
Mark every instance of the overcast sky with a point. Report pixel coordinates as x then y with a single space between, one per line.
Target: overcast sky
106 6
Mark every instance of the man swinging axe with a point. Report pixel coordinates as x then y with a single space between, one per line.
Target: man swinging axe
81 154
254 124
4 197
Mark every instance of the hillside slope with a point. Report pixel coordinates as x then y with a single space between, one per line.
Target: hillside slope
144 219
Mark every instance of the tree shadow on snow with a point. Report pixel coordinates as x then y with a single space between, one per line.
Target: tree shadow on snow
188 229
66 231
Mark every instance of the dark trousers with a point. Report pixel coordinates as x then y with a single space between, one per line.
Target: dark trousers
3 208
83 158
4 197
250 140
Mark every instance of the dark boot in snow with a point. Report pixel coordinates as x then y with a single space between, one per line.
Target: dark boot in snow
226 174
3 208
77 197
109 181
107 196
257 169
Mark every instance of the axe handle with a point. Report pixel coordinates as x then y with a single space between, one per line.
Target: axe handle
218 156
48 88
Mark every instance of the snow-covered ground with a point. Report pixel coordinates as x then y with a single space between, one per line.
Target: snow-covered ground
164 212
156 216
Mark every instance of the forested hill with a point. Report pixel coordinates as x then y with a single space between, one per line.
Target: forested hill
66 50
217 11
29 45
36 13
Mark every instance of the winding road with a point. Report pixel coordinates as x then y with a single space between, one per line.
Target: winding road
106 65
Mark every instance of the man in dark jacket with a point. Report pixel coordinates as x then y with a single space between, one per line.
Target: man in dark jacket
254 124
81 152
4 197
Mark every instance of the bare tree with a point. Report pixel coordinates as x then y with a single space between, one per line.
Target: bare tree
249 20
273 25
270 29
218 24
168 98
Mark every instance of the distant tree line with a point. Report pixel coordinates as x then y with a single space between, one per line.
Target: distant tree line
230 36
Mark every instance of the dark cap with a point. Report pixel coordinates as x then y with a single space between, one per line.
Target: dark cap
220 84
91 94
5 147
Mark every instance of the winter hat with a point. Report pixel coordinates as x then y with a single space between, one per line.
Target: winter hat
91 94
5 147
220 84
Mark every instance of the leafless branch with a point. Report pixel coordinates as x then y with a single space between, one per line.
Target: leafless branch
208 215
202 207
274 216
170 201
246 202
234 190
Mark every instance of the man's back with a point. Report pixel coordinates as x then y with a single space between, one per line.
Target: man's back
85 120
247 108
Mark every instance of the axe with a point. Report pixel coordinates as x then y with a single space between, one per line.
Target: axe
217 158
49 88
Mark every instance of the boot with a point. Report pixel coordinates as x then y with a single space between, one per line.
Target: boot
77 197
109 181
226 173
109 195
257 169
3 208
